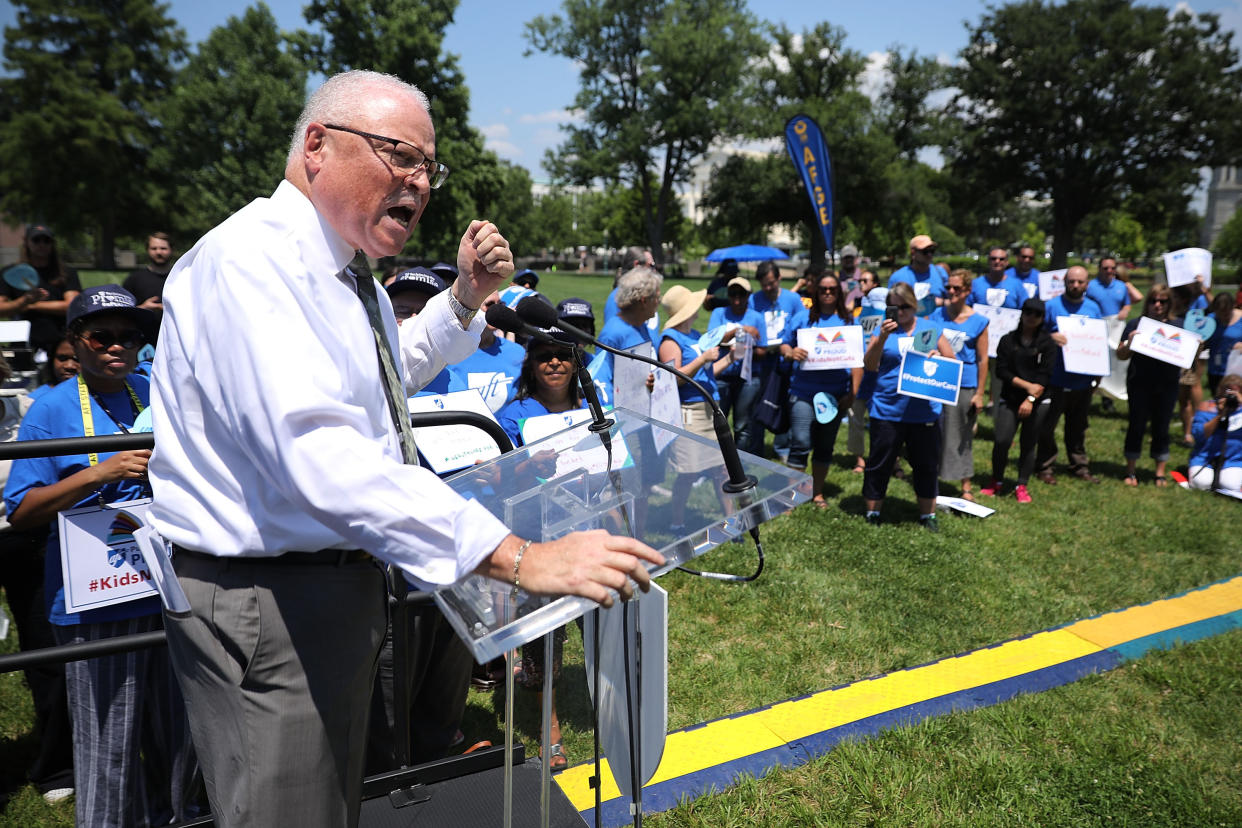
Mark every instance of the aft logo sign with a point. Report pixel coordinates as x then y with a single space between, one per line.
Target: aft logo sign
1165 342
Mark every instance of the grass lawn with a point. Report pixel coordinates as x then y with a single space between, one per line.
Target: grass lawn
1156 742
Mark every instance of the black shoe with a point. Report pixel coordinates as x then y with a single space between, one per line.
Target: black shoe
930 523
872 520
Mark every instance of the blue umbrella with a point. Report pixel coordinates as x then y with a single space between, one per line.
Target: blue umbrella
746 253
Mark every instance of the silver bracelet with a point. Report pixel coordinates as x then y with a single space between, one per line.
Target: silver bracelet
465 314
517 563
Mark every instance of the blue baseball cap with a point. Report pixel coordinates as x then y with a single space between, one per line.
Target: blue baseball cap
416 278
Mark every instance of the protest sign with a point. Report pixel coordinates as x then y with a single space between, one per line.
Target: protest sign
575 448
1165 342
448 448
936 379
1182 266
828 348
1000 322
100 560
1051 283
1086 351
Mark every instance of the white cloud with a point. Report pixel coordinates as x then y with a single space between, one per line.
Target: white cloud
875 75
496 132
496 139
552 116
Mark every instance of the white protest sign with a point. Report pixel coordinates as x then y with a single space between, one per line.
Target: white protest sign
629 380
448 448
1051 283
1000 322
1233 365
665 407
966 507
1182 266
1086 351
840 346
1165 342
99 557
575 448
1114 384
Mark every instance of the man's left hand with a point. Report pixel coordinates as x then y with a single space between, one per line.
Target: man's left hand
484 261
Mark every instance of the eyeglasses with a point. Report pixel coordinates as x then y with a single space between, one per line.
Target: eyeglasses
1160 301
404 156
902 307
102 339
998 258
954 288
548 356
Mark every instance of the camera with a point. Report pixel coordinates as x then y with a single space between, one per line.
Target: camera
1230 401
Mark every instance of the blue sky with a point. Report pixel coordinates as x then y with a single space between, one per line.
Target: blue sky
518 102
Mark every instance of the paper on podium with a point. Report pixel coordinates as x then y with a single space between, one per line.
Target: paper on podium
486 614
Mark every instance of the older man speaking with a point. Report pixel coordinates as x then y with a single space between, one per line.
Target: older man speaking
280 471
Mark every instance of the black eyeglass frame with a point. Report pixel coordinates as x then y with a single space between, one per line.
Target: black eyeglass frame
437 173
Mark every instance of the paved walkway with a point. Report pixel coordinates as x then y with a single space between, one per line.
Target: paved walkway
710 756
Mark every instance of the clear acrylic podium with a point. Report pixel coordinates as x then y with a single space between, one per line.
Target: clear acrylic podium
569 482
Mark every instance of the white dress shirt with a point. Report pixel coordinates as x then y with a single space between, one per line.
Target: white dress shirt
272 430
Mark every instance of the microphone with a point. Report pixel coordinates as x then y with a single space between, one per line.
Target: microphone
503 317
533 311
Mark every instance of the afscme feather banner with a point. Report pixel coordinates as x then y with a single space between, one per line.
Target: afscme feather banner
809 154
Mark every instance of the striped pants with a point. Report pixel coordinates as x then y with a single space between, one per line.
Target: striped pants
133 762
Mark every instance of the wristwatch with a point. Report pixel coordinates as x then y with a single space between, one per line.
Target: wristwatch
1030 398
464 314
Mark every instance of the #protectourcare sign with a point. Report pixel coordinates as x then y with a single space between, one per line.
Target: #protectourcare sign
936 379
809 154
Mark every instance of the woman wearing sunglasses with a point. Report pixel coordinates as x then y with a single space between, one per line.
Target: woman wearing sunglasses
898 420
546 385
967 332
1151 390
133 762
1024 360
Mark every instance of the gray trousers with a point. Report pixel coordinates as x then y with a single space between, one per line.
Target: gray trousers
276 664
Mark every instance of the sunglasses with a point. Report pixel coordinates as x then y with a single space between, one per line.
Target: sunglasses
927 251
1160 301
102 339
954 289
548 356
902 307
998 258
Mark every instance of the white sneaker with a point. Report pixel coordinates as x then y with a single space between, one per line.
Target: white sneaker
57 795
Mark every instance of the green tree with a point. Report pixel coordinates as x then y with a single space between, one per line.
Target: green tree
660 81
905 107
76 123
1086 101
231 111
1229 243
405 38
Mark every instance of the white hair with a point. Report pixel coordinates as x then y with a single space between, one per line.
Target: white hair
637 285
342 98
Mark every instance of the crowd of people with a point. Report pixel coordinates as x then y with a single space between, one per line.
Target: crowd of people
269 472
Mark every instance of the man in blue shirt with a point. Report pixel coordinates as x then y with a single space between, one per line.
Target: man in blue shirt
1111 293
1071 393
997 288
1025 271
777 306
927 279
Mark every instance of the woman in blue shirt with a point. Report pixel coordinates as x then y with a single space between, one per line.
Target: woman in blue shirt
133 762
1226 339
1218 439
898 420
967 332
805 429
679 347
736 394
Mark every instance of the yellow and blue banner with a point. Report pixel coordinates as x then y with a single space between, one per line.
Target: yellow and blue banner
809 154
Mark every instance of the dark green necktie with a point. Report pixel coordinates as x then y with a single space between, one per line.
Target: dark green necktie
393 388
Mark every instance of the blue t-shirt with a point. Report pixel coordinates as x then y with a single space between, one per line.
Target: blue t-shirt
1220 344
776 316
1111 298
1030 280
612 309
1008 293
58 413
726 316
444 382
963 336
690 351
1200 303
1060 306
493 371
927 286
621 335
886 403
806 384
511 416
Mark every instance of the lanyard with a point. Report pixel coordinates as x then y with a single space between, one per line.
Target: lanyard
88 417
